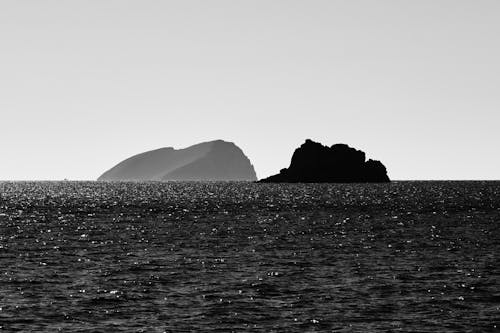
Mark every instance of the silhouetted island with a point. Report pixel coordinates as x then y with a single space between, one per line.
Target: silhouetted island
214 160
314 163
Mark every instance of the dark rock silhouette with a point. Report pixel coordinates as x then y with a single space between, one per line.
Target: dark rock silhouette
314 163
214 160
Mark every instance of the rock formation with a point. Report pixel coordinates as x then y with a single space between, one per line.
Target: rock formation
314 163
215 160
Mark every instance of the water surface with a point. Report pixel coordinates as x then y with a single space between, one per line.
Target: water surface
220 257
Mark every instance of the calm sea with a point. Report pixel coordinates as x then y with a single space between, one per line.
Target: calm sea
222 257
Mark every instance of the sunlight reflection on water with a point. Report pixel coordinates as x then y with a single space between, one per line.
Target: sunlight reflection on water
405 256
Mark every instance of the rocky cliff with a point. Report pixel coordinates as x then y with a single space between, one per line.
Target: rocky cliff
314 163
214 160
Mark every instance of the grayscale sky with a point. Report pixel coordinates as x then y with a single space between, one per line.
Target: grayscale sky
87 83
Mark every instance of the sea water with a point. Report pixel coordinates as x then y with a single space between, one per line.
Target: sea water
222 257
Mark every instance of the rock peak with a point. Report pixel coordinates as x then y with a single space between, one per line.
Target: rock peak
313 162
212 160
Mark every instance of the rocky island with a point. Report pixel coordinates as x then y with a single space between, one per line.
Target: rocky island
313 162
214 160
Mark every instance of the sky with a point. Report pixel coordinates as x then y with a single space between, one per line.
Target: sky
85 84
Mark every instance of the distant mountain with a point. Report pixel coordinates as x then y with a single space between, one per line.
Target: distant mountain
314 163
214 160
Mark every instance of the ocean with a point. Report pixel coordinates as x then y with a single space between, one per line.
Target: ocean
248 257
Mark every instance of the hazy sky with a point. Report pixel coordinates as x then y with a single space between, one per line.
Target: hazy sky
85 84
